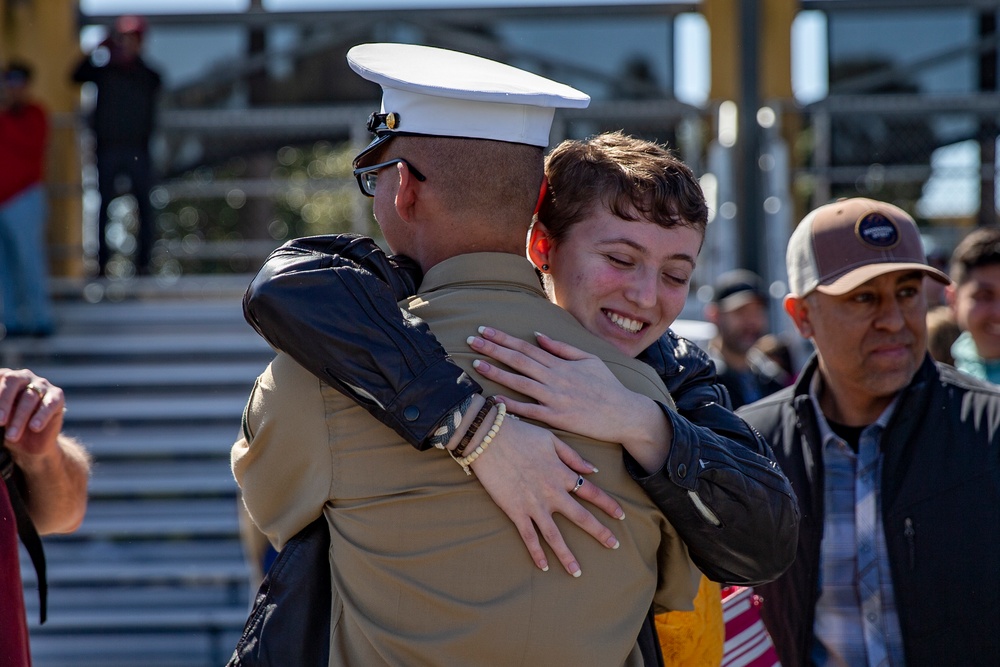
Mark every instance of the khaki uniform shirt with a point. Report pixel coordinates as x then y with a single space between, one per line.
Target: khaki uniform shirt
426 569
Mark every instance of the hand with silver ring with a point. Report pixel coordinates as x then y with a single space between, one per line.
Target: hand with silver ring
579 483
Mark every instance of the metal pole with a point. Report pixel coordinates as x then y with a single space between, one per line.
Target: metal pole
750 211
988 131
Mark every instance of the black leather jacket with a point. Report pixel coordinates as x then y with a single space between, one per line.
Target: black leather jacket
940 500
331 303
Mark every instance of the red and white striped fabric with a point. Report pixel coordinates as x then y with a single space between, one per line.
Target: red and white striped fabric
747 642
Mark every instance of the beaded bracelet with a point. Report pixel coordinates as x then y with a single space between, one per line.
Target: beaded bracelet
476 423
487 439
443 434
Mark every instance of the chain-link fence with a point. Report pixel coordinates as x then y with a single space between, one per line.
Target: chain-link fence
935 157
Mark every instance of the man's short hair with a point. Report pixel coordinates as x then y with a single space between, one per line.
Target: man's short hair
495 182
979 248
942 332
635 179
737 288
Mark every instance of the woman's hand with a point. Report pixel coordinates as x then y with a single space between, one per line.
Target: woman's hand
574 391
531 475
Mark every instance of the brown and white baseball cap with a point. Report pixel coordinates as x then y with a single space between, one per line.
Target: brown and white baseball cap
839 246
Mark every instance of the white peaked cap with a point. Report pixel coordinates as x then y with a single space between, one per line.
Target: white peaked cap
431 91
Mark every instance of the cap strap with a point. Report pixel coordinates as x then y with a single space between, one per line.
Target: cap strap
541 194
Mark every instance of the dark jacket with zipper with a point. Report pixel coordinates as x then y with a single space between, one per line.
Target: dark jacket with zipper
940 498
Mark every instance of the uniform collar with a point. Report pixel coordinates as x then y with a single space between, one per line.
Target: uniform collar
483 267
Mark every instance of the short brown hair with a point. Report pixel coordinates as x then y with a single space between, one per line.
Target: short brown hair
942 332
632 177
495 182
979 248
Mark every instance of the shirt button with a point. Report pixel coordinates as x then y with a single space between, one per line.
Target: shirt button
682 470
873 617
411 412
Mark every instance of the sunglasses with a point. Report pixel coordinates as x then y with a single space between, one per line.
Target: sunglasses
368 176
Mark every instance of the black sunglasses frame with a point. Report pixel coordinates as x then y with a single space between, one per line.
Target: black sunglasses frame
360 172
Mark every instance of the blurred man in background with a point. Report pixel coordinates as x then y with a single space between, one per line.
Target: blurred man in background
974 298
942 332
123 121
739 311
24 130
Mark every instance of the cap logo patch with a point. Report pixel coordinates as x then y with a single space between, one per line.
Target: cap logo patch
877 231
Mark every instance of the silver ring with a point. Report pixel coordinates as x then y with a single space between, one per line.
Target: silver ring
579 483
32 388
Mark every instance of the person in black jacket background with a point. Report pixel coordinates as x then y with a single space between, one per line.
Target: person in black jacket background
895 461
123 121
739 311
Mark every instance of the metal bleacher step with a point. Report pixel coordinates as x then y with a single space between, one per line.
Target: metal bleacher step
140 480
158 408
137 377
194 553
166 646
106 575
158 621
170 518
156 381
139 442
91 348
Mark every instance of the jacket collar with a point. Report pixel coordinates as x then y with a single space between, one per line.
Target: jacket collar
926 372
662 355
898 435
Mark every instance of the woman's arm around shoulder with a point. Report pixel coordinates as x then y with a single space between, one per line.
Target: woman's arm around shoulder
330 302
721 487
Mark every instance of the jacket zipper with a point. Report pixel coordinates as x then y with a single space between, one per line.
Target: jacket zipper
910 533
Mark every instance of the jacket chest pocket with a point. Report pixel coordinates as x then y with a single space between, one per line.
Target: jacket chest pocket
944 545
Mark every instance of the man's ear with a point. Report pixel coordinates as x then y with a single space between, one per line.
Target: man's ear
798 309
539 246
951 296
407 194
712 313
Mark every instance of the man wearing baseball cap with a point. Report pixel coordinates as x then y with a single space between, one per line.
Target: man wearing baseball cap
739 312
123 122
426 569
895 460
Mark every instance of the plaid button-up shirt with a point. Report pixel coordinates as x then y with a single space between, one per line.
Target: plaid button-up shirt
856 619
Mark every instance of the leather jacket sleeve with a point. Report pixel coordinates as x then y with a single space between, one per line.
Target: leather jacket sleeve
330 302
720 486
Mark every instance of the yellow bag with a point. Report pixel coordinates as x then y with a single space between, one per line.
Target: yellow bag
694 638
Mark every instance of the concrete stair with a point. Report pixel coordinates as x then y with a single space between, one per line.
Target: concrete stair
155 381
